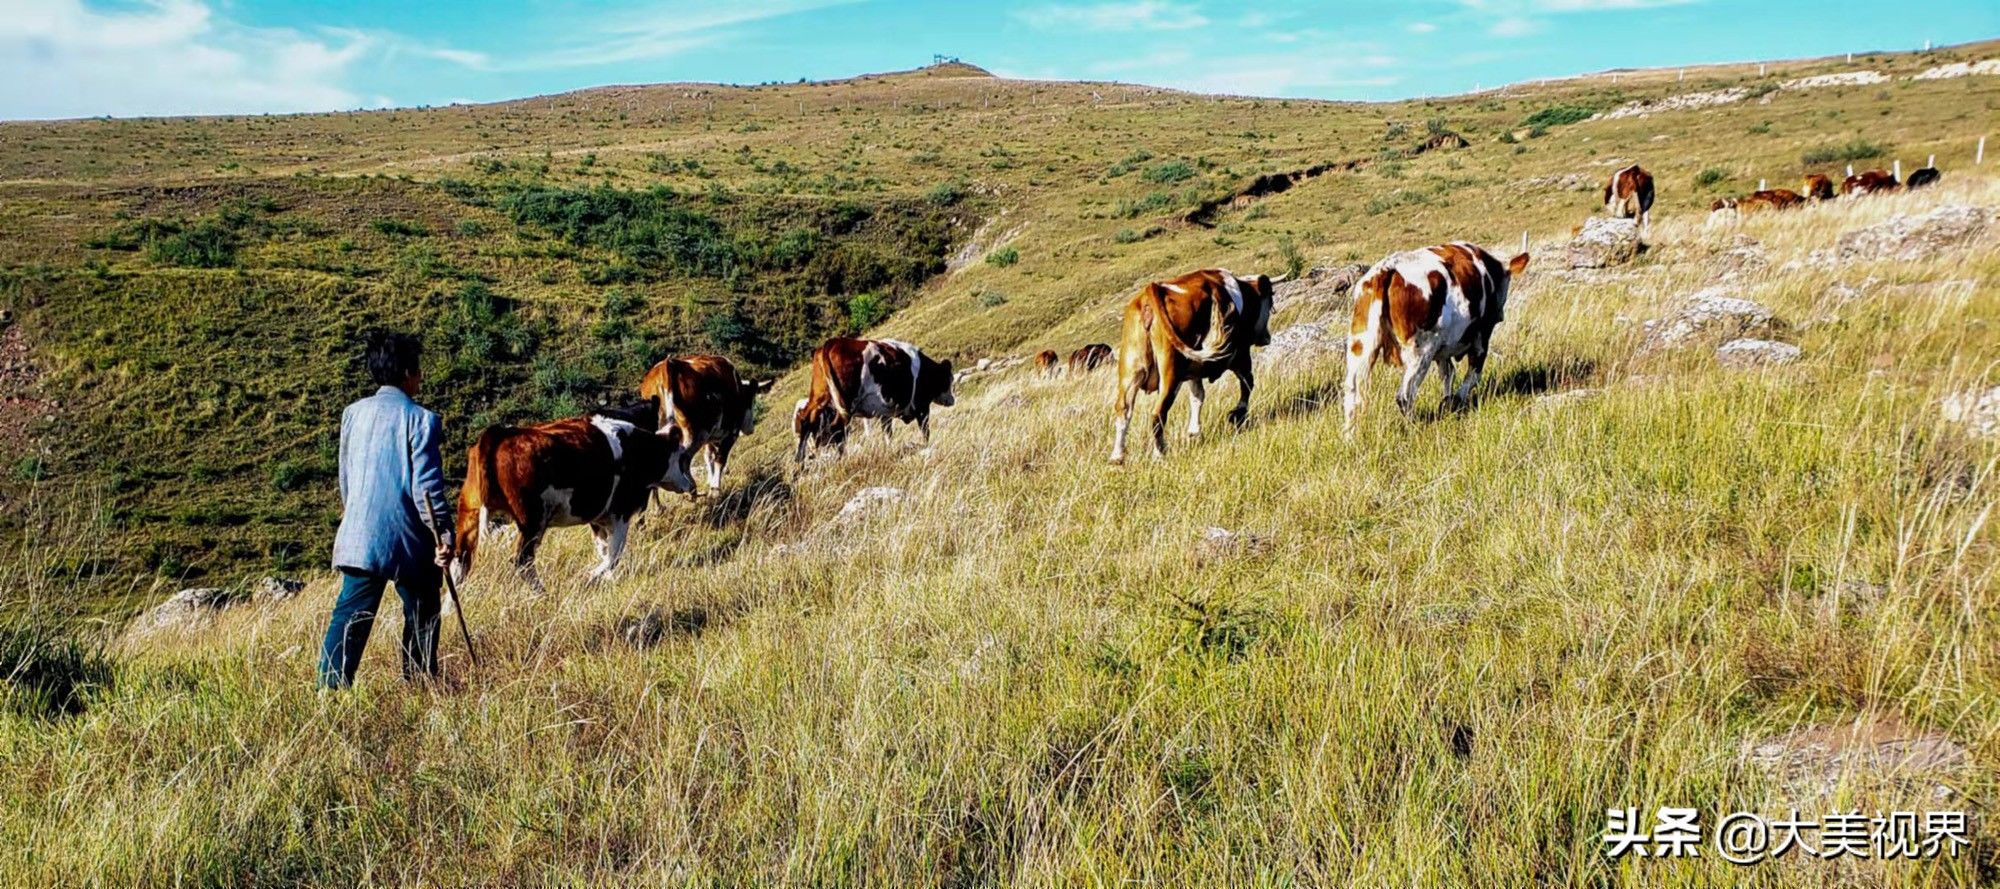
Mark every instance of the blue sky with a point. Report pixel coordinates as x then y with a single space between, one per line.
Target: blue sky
71 58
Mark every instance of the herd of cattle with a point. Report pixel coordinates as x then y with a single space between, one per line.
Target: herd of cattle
1820 187
1412 310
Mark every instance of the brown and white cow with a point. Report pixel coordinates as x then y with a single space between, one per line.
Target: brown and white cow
1047 362
888 380
1225 313
1818 187
1629 195
703 396
1869 182
1435 304
1758 201
597 470
1089 358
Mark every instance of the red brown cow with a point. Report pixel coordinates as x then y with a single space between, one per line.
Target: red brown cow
597 470
1758 201
703 396
1435 304
1214 307
1818 187
888 380
1089 358
1629 195
1869 182
1048 362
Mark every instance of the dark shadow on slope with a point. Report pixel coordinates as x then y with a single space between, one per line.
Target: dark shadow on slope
1544 377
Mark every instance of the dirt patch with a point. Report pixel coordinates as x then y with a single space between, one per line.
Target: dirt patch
22 408
1276 183
1871 754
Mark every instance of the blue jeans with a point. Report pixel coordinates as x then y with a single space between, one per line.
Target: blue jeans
354 616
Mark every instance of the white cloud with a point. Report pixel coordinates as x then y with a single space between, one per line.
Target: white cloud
1129 15
1422 27
1513 26
655 30
62 58
1316 65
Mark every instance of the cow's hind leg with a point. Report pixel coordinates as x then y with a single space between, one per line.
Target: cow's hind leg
1197 392
1448 375
532 529
1360 357
1121 413
1475 362
1417 357
1170 386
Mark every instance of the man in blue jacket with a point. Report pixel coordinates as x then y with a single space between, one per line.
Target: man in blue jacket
395 523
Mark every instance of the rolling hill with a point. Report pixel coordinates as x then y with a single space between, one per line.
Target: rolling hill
1433 652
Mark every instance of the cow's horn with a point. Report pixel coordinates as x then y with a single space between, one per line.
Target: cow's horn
1282 278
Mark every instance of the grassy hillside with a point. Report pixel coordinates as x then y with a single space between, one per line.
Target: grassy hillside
1439 651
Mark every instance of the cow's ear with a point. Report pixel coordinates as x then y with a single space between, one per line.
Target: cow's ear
1264 285
1515 265
946 364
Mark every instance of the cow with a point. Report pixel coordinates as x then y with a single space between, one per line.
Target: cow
1818 187
1757 201
888 380
704 397
1869 182
1047 362
1926 176
599 470
1089 358
1629 195
1434 304
1227 314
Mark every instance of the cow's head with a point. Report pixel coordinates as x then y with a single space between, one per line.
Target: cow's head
746 403
934 379
674 475
1259 308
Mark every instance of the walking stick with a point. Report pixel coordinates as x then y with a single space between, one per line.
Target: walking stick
451 586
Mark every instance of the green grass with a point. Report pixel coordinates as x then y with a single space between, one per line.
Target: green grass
1466 636
1853 150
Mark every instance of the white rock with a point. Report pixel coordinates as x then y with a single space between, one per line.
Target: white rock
1844 78
1708 313
869 500
1979 412
1683 102
1905 237
1603 241
187 610
1959 69
1302 344
276 589
1747 353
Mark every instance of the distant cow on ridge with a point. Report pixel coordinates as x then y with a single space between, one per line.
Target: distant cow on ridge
885 379
1223 312
1435 304
1818 187
1757 201
1629 195
1869 182
703 396
1927 175
1047 362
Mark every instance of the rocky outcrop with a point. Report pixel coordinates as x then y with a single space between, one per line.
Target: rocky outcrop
869 501
1304 344
1746 353
1905 237
1217 544
185 611
272 590
1324 287
1959 69
1709 315
1601 242
1814 762
1977 411
1844 78
1683 102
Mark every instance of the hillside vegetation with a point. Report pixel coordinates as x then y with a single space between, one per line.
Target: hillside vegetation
1433 653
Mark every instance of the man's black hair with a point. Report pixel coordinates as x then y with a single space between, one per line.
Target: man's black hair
393 357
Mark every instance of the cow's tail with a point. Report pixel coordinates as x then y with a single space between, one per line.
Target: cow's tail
474 497
1158 306
822 367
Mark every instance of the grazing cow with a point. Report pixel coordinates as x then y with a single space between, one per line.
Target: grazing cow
1419 306
1047 362
703 396
1629 195
1757 201
1928 175
1818 187
1869 182
597 470
1089 358
888 380
1223 312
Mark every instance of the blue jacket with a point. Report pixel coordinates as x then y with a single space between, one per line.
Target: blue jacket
388 458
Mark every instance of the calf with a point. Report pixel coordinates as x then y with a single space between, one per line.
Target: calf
1818 187
1757 201
1435 304
1227 314
1629 195
888 380
1089 358
711 405
1047 362
597 470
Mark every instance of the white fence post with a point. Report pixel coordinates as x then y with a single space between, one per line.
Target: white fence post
1980 158
1763 185
1898 171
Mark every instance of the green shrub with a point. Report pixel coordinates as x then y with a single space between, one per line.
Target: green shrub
1288 252
864 310
49 673
946 194
203 245
1003 257
1558 115
989 298
471 228
1709 177
1852 150
398 228
1170 172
